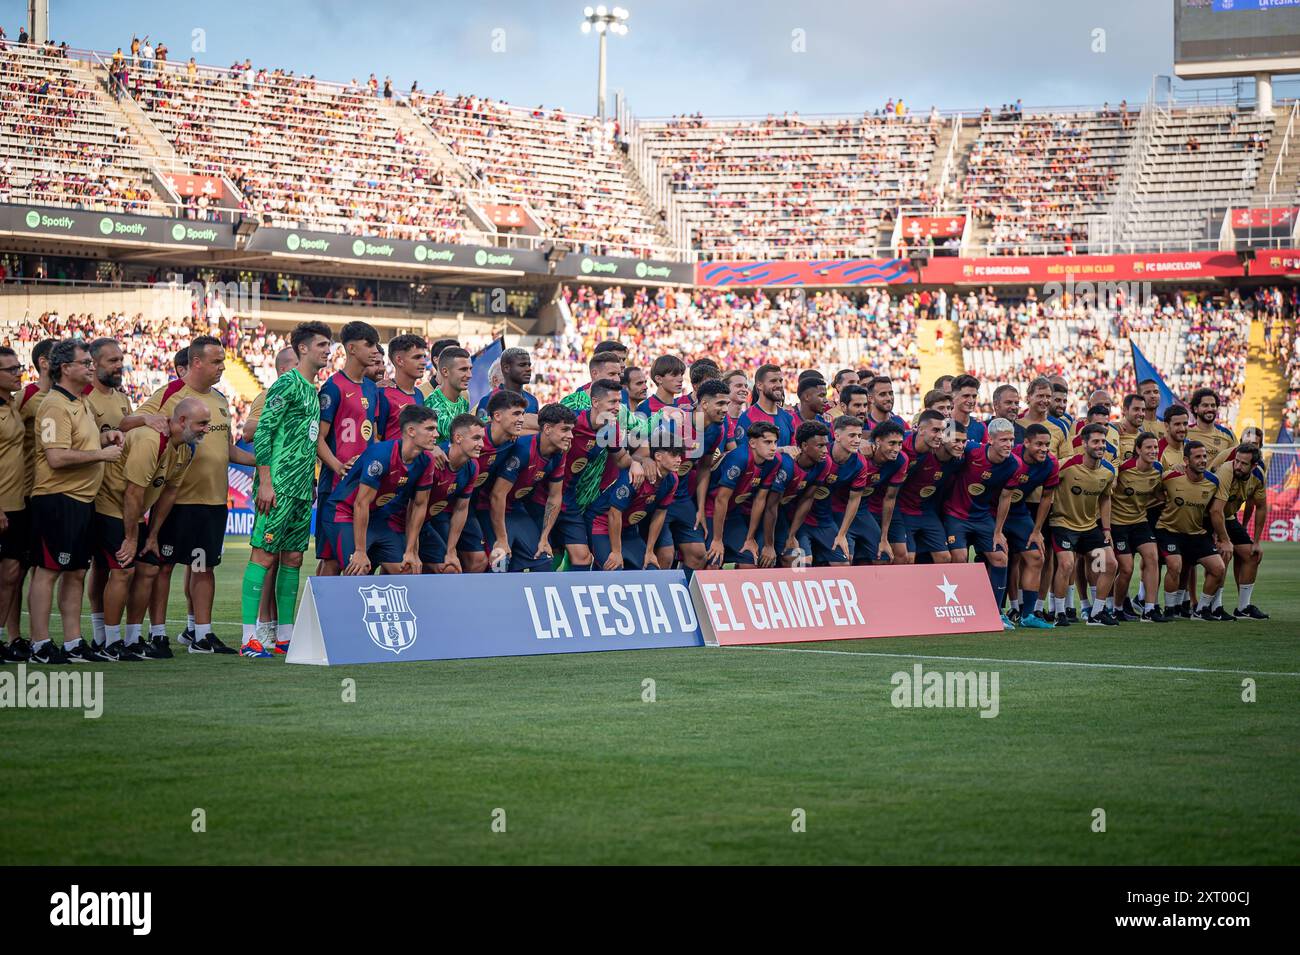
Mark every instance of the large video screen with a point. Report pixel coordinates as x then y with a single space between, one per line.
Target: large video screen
1209 31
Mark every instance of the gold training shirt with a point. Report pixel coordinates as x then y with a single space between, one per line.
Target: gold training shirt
1186 502
1237 491
13 471
108 408
28 405
1218 439
206 480
255 410
1135 492
1171 455
66 421
1078 497
147 460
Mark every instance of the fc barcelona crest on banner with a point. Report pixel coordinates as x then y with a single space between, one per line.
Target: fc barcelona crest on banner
388 618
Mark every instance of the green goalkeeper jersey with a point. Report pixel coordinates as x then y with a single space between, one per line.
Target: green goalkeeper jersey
285 438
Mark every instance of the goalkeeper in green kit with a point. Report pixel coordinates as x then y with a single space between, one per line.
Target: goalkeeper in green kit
285 449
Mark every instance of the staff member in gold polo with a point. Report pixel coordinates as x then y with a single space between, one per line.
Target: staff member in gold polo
70 456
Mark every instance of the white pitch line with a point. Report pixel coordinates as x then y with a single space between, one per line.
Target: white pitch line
1045 663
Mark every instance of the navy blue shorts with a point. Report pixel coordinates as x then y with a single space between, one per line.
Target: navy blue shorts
864 536
383 544
633 550
925 532
1017 528
524 531
818 543
897 529
433 538
734 529
970 532
325 531
681 523
477 531
571 527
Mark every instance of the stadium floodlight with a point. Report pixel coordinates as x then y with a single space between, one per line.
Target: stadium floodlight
605 22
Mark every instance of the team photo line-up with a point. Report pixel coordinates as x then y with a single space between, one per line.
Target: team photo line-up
630 471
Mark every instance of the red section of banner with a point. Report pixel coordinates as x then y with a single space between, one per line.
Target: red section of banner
1262 218
190 185
740 607
506 217
940 227
1276 262
1032 270
835 273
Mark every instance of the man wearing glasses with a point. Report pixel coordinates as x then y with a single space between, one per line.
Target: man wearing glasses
70 456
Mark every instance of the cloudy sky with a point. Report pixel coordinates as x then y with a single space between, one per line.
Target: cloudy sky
723 58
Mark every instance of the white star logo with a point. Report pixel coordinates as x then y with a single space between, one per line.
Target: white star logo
949 591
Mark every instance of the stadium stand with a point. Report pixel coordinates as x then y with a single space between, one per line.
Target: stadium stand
786 187
59 145
303 152
1196 339
567 170
1031 180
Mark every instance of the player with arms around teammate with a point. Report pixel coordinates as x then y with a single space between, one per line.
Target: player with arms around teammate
371 503
1138 489
1026 519
1242 475
528 493
145 479
1081 525
1193 499
285 447
445 509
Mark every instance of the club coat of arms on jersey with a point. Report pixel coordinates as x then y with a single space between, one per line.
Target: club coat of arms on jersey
389 618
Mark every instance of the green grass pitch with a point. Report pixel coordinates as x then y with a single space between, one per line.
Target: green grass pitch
1146 723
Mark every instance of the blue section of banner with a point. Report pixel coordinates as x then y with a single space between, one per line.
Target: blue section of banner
1232 6
478 384
1144 370
453 616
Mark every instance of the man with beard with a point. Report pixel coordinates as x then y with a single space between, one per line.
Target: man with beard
768 407
881 390
1205 427
112 411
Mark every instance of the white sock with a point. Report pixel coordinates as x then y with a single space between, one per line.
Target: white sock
1110 604
112 634
1204 602
37 644
1243 597
1218 600
1148 607
1058 604
189 622
157 629
1070 595
202 630
1142 592
97 628
284 633
251 630
1092 594
71 643
133 633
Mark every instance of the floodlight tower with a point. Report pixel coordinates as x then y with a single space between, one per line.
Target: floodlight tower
604 21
